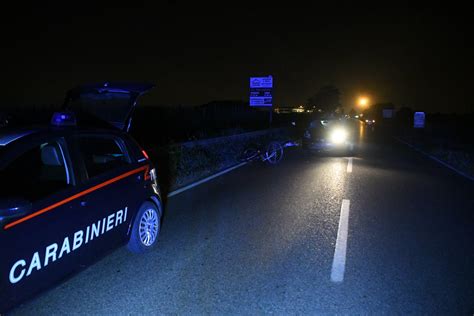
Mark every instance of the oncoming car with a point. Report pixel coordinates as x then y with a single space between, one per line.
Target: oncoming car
331 135
369 122
71 193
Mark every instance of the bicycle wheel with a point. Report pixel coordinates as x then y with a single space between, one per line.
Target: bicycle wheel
274 153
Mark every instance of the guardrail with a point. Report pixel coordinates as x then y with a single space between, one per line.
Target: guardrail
183 163
210 141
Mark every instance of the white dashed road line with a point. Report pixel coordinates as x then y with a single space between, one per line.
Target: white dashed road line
339 261
349 165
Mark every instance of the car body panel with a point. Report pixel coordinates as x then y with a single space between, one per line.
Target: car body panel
81 222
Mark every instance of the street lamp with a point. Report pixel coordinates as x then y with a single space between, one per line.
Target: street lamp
363 102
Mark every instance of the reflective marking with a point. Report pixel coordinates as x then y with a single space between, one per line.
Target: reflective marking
15 279
349 165
87 234
339 261
75 196
435 159
147 175
71 243
192 185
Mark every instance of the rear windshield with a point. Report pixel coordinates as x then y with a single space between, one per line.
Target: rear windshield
112 107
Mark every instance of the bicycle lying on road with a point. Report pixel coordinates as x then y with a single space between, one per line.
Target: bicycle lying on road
272 153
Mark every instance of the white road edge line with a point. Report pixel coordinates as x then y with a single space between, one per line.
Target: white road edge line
192 185
435 159
339 261
349 165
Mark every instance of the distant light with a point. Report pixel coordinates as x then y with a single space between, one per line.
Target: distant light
357 116
145 154
363 101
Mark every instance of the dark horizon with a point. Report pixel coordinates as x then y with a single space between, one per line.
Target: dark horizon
417 57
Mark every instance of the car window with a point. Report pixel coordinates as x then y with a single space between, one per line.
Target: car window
102 154
36 174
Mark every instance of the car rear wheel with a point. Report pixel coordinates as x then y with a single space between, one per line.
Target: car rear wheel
146 228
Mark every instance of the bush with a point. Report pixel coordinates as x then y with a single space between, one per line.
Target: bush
190 161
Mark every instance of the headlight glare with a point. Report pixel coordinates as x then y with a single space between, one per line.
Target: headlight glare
338 136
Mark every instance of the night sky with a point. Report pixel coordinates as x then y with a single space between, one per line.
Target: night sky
414 56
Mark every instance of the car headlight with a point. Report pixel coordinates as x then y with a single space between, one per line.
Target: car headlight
338 136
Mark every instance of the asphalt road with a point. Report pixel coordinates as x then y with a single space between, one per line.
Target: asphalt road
265 239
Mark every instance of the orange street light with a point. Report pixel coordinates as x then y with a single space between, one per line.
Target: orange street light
363 102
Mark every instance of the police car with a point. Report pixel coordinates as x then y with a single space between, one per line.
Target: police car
70 193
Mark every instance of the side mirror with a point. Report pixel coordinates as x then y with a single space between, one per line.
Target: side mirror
14 207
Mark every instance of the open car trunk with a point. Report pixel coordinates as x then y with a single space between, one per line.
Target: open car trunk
109 102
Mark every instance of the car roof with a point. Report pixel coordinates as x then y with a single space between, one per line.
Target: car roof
12 135
9 136
119 87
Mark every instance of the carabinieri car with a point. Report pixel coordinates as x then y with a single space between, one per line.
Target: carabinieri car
71 193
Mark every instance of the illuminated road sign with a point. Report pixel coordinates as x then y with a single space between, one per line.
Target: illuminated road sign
419 120
261 91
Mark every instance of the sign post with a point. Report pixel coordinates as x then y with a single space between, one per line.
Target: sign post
261 93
